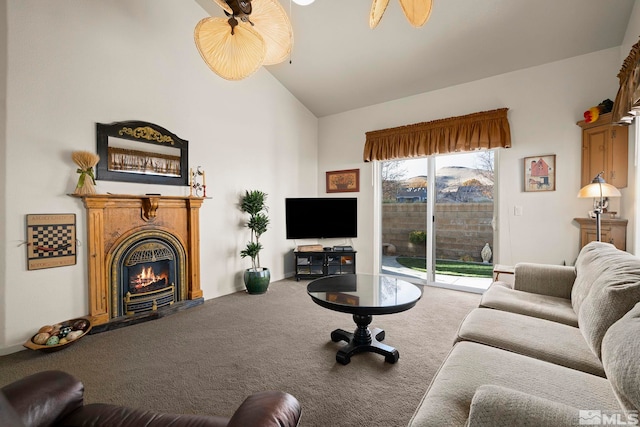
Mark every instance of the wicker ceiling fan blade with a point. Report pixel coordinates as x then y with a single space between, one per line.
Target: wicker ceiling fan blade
231 56
377 10
272 22
223 4
417 11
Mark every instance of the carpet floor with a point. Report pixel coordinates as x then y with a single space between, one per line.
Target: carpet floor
207 359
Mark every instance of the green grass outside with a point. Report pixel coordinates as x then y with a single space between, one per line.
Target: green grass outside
451 268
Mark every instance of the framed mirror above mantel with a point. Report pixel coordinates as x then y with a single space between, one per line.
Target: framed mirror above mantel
143 152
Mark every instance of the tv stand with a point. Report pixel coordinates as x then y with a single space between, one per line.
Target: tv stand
312 265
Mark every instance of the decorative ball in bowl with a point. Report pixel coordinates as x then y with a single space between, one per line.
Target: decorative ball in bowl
51 338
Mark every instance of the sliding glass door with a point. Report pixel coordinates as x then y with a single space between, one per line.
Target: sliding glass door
404 190
436 219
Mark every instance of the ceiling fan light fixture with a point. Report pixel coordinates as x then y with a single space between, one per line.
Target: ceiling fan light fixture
303 2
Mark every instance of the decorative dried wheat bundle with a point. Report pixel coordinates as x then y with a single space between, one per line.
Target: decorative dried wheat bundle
85 161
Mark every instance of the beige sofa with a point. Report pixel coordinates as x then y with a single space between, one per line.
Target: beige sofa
560 346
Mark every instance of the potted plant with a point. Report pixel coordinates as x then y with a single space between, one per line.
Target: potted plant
256 278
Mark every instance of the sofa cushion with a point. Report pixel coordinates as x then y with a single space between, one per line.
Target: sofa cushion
495 406
536 305
470 365
543 339
103 414
621 356
615 291
594 259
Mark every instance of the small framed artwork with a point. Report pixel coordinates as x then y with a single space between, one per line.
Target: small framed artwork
540 173
51 240
343 181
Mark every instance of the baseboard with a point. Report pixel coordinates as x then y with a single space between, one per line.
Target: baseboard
11 349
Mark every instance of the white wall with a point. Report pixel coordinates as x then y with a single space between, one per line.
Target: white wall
74 63
544 102
3 145
633 231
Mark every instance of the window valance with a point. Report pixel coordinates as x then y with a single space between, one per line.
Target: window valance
627 104
483 130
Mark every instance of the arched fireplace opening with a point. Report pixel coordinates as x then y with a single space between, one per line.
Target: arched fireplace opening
148 272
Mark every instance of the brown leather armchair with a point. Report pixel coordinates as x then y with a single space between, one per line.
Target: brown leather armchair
55 398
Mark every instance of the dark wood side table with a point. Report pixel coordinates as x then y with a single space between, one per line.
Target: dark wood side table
611 230
364 295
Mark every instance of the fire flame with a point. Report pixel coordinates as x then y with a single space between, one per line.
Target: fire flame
147 277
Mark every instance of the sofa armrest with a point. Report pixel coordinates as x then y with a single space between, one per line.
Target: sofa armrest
44 398
8 416
495 405
545 279
267 409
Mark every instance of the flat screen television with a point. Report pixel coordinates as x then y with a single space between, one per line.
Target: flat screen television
321 217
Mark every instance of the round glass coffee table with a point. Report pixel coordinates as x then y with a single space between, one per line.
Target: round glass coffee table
363 296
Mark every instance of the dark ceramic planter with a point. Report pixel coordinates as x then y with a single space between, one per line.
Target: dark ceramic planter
257 282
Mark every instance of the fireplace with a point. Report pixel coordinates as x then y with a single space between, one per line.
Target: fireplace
147 273
143 255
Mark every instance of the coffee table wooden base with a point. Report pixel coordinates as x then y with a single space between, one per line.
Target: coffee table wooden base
361 340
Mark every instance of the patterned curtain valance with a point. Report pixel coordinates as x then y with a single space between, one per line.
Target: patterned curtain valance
487 129
627 104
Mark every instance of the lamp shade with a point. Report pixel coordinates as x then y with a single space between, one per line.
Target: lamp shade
599 189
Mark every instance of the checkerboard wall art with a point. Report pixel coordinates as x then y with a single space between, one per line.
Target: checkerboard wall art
51 240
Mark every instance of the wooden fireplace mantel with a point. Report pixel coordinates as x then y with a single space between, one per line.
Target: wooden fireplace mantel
111 218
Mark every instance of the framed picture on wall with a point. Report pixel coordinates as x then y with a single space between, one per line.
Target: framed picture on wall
136 151
540 173
343 181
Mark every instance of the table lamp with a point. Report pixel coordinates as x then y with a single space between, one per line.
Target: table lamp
600 191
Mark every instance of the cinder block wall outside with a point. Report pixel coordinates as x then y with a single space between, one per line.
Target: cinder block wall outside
462 229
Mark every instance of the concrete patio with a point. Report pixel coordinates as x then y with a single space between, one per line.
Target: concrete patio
467 284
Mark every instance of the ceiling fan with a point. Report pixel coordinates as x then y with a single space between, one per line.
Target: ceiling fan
258 32
416 11
255 33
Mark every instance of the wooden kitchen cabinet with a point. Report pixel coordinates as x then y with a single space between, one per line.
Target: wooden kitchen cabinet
604 148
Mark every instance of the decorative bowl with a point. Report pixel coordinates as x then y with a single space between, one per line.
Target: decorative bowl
30 344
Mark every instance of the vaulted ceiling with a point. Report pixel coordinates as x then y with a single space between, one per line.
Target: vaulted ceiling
338 63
